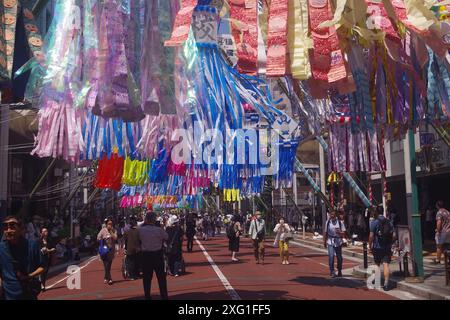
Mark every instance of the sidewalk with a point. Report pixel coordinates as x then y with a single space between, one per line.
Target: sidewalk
432 288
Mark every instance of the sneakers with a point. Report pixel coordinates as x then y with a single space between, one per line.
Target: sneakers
257 261
234 259
105 281
110 282
287 262
333 275
386 287
339 274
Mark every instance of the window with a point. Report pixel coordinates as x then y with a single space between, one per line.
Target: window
396 146
17 172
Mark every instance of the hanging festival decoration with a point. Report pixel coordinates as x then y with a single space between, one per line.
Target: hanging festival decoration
360 72
10 11
109 173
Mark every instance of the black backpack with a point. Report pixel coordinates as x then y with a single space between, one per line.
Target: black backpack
385 233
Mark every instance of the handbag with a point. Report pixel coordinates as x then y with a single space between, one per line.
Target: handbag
103 249
289 236
260 234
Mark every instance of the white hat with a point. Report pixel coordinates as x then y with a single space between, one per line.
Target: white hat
173 219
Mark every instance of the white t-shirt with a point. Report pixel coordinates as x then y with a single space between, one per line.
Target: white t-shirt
333 238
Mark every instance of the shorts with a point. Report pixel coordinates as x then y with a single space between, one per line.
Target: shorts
382 256
442 238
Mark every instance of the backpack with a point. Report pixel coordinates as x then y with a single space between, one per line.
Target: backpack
385 232
231 233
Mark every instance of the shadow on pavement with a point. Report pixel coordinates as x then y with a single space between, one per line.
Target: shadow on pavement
326 282
223 295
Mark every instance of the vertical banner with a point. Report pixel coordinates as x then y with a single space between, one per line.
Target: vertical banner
277 38
182 24
244 17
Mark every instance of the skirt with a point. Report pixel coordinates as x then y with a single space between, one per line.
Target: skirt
233 244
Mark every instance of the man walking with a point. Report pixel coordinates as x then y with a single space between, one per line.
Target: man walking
381 238
258 233
132 248
20 263
152 238
333 239
190 231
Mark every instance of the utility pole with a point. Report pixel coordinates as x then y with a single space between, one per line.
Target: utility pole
412 202
253 205
294 191
383 194
323 184
71 179
4 152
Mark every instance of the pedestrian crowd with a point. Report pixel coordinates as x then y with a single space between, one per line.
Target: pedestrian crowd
153 244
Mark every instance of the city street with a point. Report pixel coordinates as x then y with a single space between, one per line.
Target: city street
210 275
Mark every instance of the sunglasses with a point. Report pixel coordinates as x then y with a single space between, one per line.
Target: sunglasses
10 225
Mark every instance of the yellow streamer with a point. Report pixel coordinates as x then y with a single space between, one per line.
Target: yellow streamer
298 40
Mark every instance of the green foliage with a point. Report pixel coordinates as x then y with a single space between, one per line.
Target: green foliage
89 232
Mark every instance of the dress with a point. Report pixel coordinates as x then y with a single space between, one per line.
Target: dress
233 243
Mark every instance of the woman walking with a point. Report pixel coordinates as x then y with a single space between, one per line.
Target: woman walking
175 245
107 238
234 232
283 232
47 249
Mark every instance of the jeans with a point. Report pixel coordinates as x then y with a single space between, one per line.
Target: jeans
107 263
190 243
331 252
173 258
154 262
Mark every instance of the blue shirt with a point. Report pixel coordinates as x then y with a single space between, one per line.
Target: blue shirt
28 257
375 224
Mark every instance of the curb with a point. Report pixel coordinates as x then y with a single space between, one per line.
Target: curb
400 284
408 287
345 253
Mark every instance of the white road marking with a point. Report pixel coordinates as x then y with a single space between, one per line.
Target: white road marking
81 268
233 294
